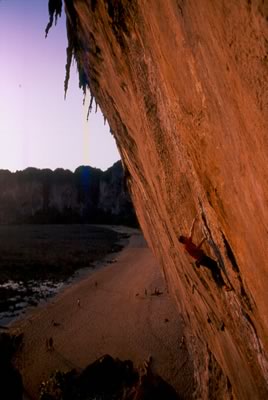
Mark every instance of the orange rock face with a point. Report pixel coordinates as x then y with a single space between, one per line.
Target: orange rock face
184 86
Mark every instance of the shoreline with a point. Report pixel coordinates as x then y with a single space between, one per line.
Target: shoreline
79 275
30 293
118 314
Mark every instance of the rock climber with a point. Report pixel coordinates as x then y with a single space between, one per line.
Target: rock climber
201 258
191 248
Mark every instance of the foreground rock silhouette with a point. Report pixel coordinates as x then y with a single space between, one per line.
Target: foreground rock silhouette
108 378
10 379
184 87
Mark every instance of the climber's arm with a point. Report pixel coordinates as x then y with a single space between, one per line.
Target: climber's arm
192 228
202 241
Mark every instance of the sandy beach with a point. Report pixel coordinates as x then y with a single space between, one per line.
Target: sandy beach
117 314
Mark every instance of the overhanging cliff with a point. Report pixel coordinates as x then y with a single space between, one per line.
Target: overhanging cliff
184 86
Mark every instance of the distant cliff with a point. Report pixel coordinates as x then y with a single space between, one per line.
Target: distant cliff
61 196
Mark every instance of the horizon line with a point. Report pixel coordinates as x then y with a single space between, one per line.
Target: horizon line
58 168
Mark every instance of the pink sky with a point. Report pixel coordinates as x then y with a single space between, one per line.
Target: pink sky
37 127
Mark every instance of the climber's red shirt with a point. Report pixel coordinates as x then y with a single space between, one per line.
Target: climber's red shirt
193 250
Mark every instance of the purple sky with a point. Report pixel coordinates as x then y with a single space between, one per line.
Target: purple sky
38 128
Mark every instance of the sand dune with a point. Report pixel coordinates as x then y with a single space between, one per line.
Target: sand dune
117 315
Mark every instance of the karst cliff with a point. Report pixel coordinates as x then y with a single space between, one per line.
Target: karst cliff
184 86
87 195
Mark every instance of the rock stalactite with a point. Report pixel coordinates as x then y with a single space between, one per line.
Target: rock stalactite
54 10
183 85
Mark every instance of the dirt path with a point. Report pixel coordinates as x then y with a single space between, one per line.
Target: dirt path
117 315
